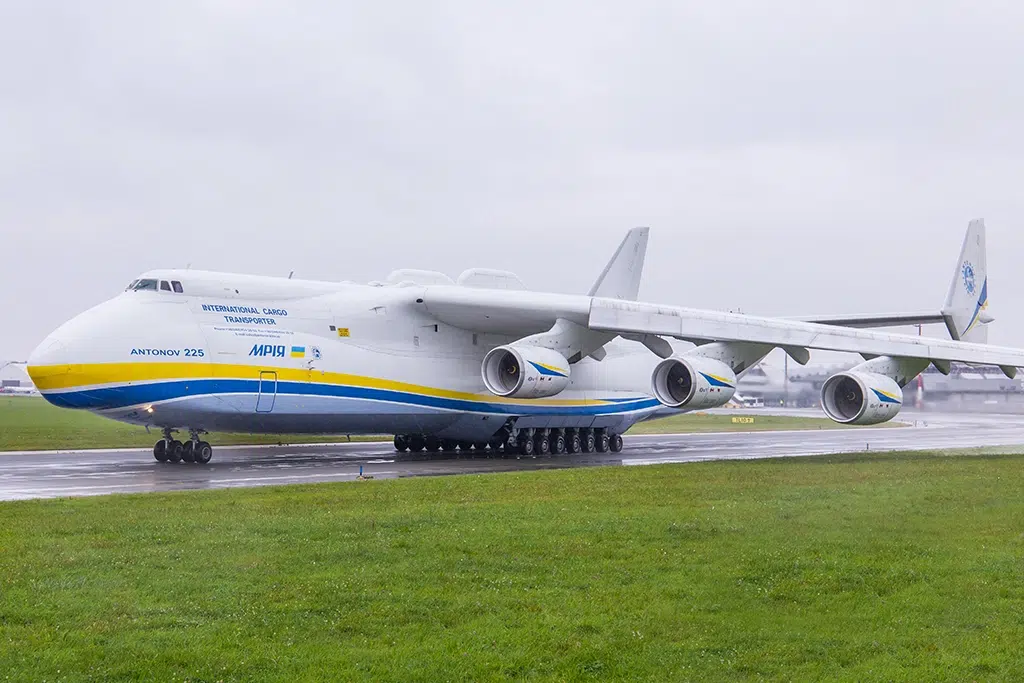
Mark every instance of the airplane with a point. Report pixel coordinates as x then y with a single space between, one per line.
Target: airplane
475 363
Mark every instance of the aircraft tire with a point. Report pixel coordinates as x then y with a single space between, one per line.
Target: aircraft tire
575 444
174 451
160 451
603 442
401 443
589 442
416 444
543 445
202 452
558 445
615 444
526 447
187 449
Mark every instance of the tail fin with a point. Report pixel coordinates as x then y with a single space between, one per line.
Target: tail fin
621 277
965 311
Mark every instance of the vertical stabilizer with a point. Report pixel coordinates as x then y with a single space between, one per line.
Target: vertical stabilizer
966 305
621 277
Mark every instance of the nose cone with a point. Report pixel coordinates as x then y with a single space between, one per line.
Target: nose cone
55 366
47 363
88 361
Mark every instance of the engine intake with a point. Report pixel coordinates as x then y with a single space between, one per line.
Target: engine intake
693 382
861 398
525 371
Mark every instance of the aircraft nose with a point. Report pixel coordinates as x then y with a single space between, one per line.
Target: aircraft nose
47 364
51 352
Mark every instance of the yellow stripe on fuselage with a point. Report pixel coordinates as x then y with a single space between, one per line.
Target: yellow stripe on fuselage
59 377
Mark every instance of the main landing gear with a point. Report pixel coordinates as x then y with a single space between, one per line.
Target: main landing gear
528 442
169 449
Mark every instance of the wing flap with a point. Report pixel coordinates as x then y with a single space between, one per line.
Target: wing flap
627 317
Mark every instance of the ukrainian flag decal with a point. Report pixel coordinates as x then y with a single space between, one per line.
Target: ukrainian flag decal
298 352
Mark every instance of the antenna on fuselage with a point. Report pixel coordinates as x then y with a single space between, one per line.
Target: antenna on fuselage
290 274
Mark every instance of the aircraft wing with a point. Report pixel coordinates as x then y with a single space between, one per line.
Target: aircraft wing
871 321
638 318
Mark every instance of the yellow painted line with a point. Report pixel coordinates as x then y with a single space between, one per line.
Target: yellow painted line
58 377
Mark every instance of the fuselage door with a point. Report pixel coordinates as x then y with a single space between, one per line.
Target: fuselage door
268 391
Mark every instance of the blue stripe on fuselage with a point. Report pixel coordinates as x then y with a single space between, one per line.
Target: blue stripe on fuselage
138 394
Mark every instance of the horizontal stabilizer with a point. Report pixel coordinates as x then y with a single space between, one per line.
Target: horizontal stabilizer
872 321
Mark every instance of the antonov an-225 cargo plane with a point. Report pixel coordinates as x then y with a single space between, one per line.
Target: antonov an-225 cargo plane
475 363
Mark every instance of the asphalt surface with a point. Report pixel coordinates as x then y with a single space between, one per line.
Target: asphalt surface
83 473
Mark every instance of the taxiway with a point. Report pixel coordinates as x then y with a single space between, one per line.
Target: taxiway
61 474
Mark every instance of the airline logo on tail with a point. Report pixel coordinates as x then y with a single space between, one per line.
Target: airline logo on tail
969 283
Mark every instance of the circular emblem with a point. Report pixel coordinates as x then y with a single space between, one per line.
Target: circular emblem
316 353
969 284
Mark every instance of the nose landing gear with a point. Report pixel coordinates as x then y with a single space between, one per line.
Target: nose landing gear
169 449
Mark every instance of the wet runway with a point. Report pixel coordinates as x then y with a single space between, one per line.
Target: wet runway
60 474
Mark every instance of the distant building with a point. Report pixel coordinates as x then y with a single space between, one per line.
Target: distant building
14 379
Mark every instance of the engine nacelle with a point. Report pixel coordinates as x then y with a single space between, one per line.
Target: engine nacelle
525 371
693 382
861 398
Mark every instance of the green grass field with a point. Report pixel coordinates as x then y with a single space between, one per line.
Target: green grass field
903 568
32 423
28 423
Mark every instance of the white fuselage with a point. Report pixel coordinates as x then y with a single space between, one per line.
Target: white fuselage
255 354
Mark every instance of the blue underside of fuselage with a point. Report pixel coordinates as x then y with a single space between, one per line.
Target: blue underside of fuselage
126 396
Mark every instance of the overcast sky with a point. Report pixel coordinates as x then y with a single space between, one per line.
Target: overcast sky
790 157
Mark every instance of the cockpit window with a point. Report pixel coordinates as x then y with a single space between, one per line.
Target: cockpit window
177 287
131 286
164 285
144 285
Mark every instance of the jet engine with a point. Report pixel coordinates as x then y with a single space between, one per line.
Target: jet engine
693 382
861 398
525 371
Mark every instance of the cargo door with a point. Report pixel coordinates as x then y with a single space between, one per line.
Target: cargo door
267 392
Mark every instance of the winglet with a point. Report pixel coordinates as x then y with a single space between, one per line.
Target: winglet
621 277
965 311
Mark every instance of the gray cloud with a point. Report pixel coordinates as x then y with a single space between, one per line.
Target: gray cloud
790 157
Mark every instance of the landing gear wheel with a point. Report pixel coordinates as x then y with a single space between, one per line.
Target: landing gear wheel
575 444
543 445
202 452
616 444
416 444
401 443
186 451
603 442
589 442
558 445
160 451
174 449
526 447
